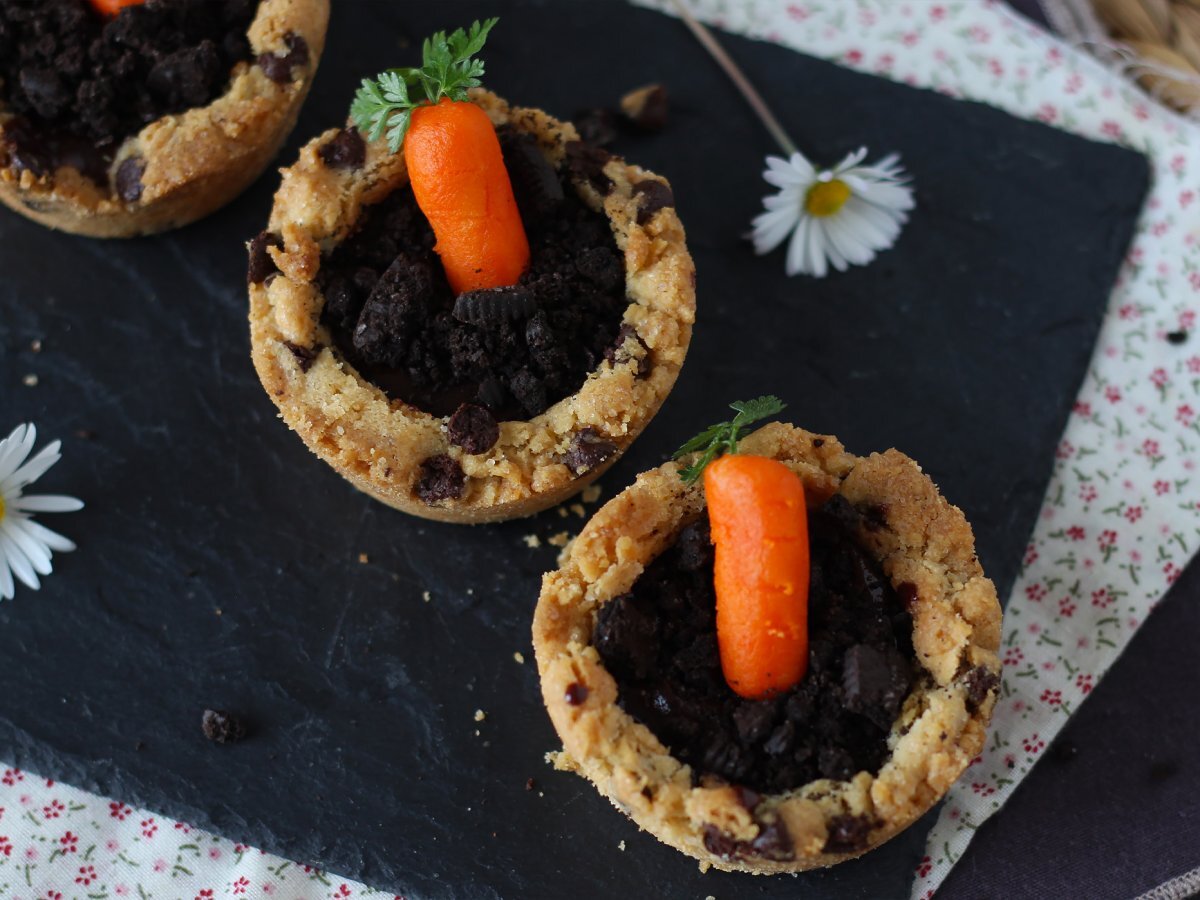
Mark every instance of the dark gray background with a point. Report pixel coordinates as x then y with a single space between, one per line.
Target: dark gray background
218 561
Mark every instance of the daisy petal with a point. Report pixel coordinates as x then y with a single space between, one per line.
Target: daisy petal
794 264
51 539
18 562
815 251
14 449
34 550
7 588
772 228
37 467
47 503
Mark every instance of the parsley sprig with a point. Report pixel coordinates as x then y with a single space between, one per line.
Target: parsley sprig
448 69
723 437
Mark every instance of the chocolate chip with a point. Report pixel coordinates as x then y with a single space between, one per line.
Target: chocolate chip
596 125
261 263
279 68
620 351
494 305
907 592
720 844
1177 337
441 478
980 682
585 162
346 150
646 107
588 450
129 179
773 842
305 356
576 693
473 428
818 442
848 834
652 196
222 727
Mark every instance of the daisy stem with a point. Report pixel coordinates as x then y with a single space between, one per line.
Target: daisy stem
737 76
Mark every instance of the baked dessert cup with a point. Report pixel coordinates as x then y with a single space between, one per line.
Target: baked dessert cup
430 464
921 545
181 166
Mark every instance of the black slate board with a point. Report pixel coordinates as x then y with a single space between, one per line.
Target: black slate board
219 560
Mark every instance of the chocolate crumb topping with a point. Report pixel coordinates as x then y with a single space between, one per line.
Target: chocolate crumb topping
659 643
596 125
261 264
222 727
441 478
80 84
586 162
347 150
515 350
474 428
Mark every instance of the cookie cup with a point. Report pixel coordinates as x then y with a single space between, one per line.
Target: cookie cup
379 444
193 162
924 546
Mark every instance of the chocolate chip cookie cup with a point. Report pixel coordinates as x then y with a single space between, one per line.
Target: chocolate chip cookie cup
482 405
902 673
154 119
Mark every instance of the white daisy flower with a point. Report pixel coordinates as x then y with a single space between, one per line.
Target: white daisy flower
25 546
841 216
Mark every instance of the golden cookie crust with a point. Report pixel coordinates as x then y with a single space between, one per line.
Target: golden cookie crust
921 540
378 444
197 160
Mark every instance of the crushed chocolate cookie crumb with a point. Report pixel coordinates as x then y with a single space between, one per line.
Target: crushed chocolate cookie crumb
222 727
589 449
848 834
79 84
530 784
347 150
473 428
129 179
659 643
442 478
261 264
652 196
279 68
646 107
515 350
586 162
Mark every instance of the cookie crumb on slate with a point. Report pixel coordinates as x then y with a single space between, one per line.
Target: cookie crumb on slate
519 657
30 381
425 596
621 846
35 346
480 715
559 540
363 558
578 509
530 784
646 107
222 727
532 541
591 493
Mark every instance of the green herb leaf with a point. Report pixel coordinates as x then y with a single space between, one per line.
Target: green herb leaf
723 437
448 70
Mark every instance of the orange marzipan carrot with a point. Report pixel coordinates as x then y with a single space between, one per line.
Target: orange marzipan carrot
111 8
760 530
460 182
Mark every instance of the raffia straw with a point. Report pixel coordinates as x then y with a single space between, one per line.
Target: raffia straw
1164 38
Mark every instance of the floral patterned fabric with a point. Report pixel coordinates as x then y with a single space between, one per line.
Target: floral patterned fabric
1120 521
1121 517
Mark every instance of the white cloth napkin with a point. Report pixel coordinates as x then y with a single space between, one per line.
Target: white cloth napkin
1121 517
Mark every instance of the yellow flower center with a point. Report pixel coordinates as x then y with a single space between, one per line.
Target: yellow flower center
826 197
